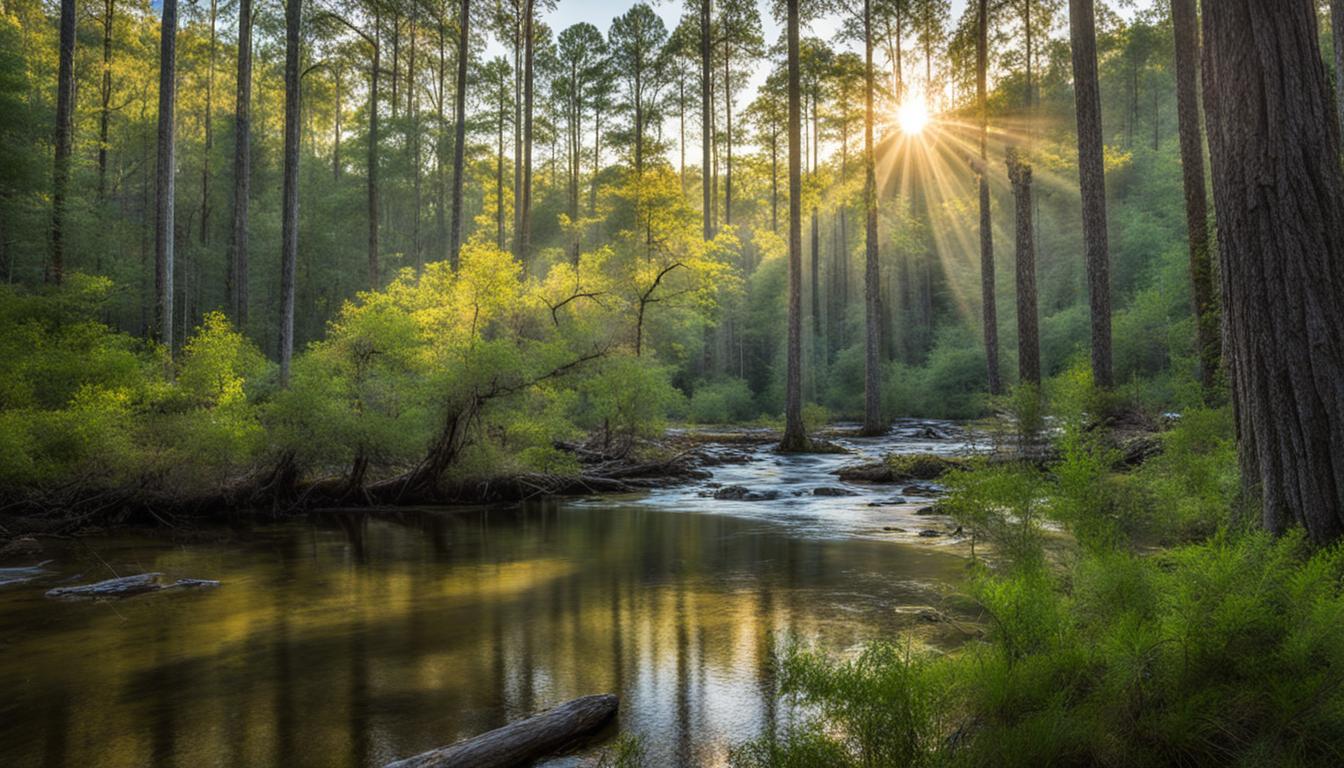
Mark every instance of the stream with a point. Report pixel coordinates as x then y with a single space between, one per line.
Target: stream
350 639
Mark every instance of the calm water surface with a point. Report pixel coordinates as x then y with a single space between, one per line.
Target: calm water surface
351 639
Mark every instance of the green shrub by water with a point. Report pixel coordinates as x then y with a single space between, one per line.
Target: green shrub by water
1226 648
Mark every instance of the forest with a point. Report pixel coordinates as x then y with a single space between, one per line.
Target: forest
831 382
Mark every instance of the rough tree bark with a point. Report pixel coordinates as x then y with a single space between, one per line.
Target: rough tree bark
795 437
1278 194
1185 21
65 103
242 168
289 224
460 131
522 742
1028 336
988 305
872 286
1092 184
1337 38
164 187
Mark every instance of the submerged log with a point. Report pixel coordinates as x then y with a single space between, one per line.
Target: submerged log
126 586
524 741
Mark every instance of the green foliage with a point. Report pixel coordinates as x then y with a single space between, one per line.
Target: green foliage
1193 484
722 402
883 707
1002 504
627 398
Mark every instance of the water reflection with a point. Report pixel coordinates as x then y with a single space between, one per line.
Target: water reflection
351 640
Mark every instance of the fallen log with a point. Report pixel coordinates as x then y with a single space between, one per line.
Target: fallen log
126 586
524 741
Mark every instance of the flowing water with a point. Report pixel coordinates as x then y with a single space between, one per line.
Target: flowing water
349 639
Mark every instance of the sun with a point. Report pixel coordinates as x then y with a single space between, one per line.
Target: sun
913 116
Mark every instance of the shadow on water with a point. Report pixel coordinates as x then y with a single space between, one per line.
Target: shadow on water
351 639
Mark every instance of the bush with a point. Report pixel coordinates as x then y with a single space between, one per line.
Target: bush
883 707
725 401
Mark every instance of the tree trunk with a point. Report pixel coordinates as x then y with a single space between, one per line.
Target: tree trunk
444 246
65 106
529 76
816 224
728 138
1279 196
289 227
987 298
336 128
460 132
522 742
164 192
1186 24
872 285
795 437
375 65
1092 184
1028 336
1337 39
499 170
105 97
242 168
209 126
706 123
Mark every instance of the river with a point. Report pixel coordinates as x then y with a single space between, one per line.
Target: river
350 639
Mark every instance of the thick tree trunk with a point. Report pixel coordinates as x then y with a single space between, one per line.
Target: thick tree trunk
872 284
1279 198
289 226
1028 336
65 107
460 132
105 96
164 188
242 168
1207 342
795 437
988 302
706 123
1337 39
1092 184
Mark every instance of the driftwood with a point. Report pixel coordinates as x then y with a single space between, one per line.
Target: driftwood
524 741
126 586
22 573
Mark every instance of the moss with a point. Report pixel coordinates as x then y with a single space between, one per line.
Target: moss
921 466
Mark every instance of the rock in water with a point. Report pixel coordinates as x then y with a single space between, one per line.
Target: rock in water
742 493
829 490
126 586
